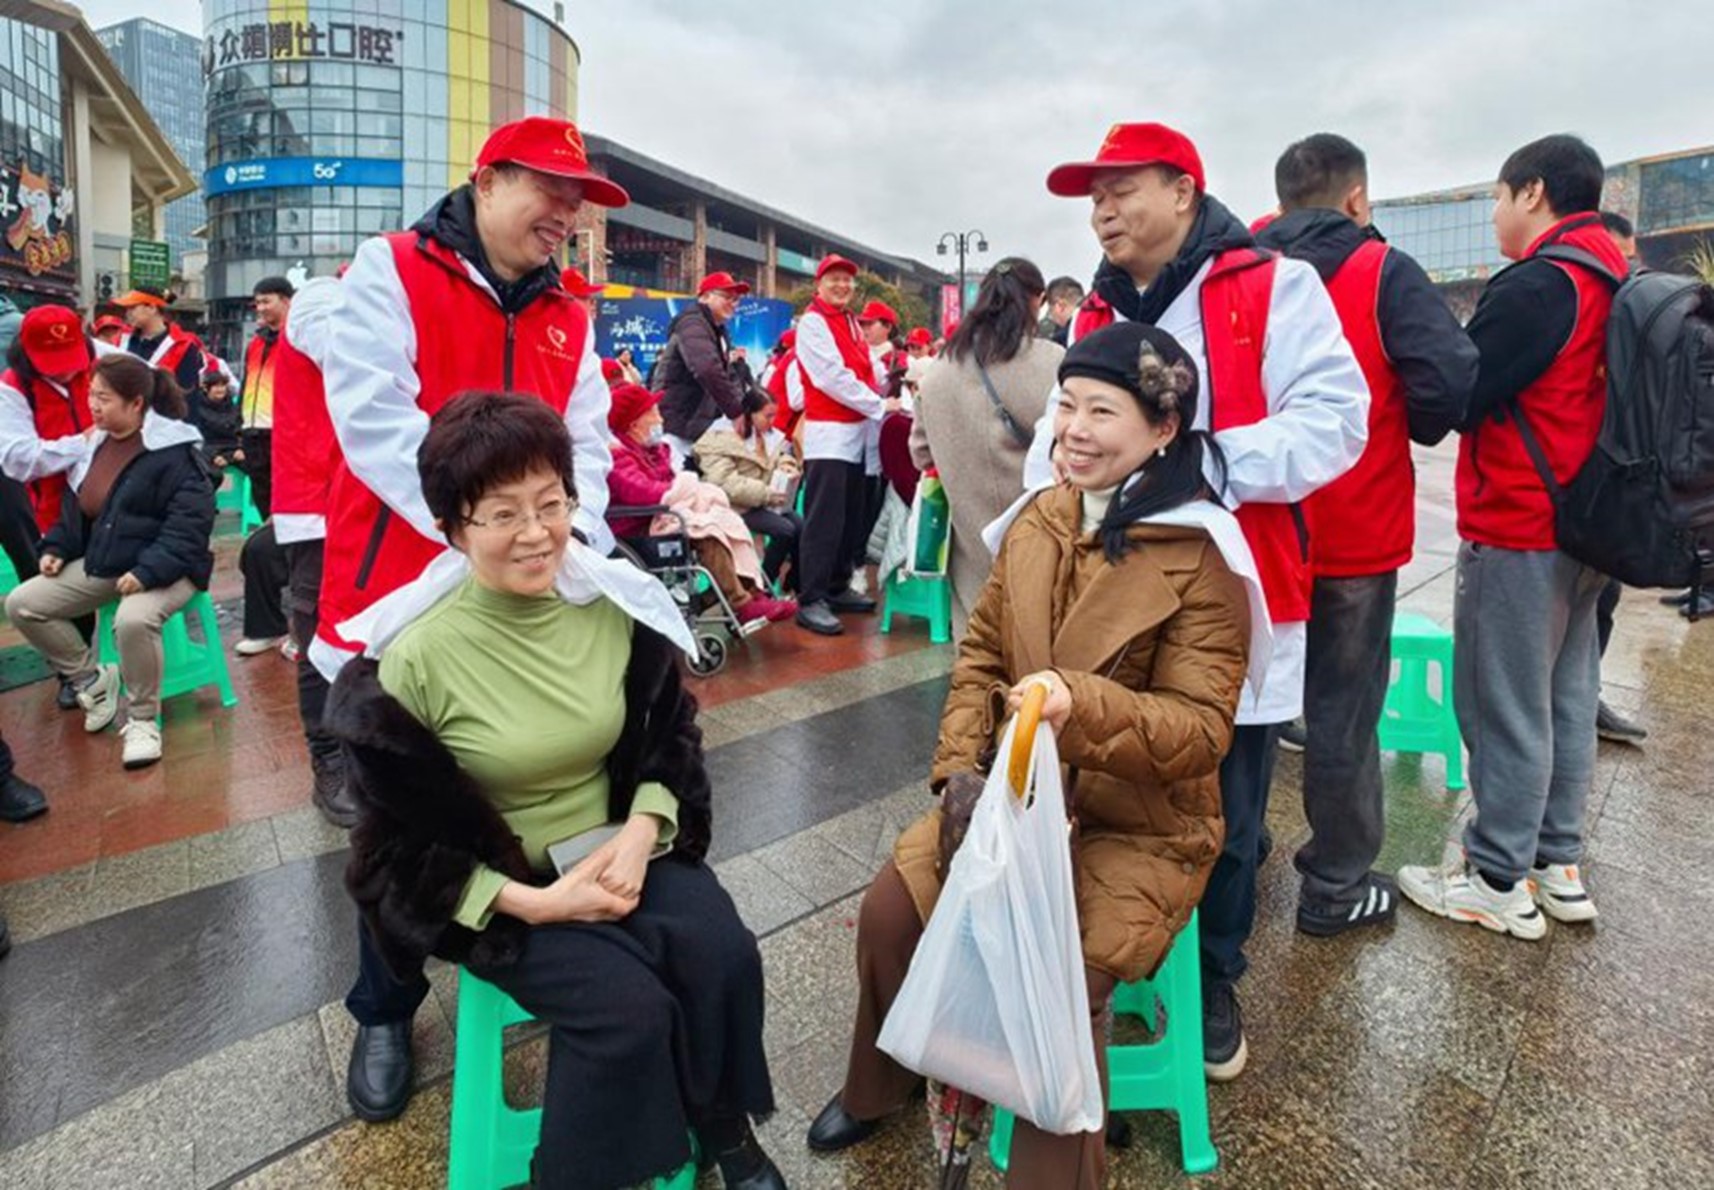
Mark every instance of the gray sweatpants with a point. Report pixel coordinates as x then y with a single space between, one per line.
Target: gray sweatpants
1526 676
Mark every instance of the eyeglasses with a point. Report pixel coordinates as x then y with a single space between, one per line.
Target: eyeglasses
550 515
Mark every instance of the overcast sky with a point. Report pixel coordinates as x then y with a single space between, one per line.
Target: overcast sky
893 122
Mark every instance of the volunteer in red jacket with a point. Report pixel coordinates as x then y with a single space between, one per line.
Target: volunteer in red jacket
159 341
1420 367
1289 408
1526 659
44 406
582 290
469 298
840 402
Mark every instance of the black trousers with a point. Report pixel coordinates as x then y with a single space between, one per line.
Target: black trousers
783 528
258 448
1605 606
1344 687
378 997
1228 911
656 1026
19 536
303 599
835 503
263 563
874 500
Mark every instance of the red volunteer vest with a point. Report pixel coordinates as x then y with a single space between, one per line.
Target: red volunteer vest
464 341
1501 500
1236 297
817 405
57 415
785 417
1364 522
305 452
179 341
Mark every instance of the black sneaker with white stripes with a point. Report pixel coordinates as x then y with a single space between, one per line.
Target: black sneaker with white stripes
1377 903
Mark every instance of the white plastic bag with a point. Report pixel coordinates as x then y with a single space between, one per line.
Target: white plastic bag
995 1001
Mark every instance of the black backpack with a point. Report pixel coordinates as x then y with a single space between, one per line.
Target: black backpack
1641 509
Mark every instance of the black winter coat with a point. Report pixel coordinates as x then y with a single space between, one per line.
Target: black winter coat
155 525
218 423
426 823
695 376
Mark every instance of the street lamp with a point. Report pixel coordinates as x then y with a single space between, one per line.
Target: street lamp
963 242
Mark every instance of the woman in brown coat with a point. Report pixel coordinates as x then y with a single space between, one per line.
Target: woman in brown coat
1111 589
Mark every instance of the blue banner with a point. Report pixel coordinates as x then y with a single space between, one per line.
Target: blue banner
641 323
269 173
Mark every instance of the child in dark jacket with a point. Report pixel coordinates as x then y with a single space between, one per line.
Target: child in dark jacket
136 533
214 411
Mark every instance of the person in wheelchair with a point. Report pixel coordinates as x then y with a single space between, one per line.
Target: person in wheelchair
643 477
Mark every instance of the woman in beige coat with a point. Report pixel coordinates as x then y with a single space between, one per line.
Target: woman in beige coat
1114 590
975 412
757 467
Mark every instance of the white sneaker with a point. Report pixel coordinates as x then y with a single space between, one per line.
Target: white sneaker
100 699
860 581
252 648
1558 889
142 743
289 649
1460 894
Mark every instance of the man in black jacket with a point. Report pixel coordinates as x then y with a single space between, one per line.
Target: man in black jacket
1420 367
695 376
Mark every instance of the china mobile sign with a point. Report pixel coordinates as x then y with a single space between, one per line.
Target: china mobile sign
275 172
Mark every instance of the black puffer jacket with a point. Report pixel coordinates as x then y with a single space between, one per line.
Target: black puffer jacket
155 524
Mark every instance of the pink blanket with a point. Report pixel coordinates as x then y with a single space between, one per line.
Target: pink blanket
708 516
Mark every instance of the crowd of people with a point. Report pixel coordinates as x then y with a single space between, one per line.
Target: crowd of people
1180 500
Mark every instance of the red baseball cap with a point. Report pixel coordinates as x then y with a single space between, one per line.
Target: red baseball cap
879 312
550 146
110 322
53 340
578 286
919 337
630 401
612 370
716 281
834 262
1130 146
788 338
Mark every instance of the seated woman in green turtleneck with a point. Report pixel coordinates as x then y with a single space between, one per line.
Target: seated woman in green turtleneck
535 807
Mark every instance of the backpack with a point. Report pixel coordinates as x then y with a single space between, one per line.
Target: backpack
1641 509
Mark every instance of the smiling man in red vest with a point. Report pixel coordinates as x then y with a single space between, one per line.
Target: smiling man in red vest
1289 409
468 298
1420 366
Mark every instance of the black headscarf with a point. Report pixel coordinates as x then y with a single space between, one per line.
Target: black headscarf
1160 375
1214 230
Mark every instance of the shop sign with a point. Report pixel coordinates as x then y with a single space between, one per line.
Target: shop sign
299 41
36 216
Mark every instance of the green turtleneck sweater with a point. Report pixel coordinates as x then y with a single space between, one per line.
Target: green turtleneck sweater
528 694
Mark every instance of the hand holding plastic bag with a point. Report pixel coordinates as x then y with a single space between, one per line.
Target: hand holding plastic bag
995 1001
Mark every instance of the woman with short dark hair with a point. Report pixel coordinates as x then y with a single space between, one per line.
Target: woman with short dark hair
534 806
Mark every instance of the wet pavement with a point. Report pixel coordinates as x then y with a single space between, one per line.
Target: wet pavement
171 1015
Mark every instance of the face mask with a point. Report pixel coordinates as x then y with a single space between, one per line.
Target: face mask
655 436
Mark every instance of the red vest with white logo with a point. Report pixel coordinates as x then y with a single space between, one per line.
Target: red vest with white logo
464 341
817 405
172 352
1364 522
305 451
1236 297
57 415
1501 499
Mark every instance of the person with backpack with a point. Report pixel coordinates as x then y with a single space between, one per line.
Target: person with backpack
694 374
1420 367
1526 659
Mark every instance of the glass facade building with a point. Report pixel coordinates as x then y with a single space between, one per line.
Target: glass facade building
163 67
328 123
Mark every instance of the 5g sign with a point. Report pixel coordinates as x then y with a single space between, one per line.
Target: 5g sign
326 171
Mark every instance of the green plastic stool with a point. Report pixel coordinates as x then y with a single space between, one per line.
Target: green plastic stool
234 496
919 595
189 665
492 1142
8 575
1166 1075
1413 720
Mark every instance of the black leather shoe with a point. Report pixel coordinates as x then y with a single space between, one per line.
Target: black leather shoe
20 801
1701 606
331 794
378 1082
834 1129
66 699
818 619
849 601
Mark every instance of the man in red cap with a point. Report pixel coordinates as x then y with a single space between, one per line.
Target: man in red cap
468 298
581 288
841 399
110 329
1289 408
694 373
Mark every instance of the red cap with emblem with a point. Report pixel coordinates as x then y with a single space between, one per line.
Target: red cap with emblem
879 312
578 286
1130 146
718 281
53 340
550 146
834 262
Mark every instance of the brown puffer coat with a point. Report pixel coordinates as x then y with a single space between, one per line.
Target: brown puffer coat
1154 651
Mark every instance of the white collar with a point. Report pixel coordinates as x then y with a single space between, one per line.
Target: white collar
158 433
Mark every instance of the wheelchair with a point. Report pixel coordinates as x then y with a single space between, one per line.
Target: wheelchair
671 558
